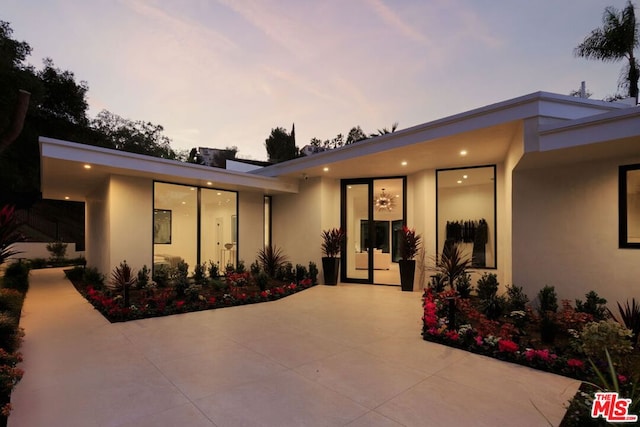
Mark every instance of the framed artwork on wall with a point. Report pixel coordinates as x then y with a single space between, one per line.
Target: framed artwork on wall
161 226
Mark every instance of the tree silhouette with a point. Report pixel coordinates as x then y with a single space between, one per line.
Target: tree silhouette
616 40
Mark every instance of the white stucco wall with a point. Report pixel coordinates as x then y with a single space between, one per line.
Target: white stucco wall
130 218
97 228
298 219
565 232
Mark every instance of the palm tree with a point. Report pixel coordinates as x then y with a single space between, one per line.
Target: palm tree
616 40
384 130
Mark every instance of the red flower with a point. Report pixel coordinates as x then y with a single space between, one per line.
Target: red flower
179 304
575 363
452 335
507 346
264 294
478 339
622 378
211 300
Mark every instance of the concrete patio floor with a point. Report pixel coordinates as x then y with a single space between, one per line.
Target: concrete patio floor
349 355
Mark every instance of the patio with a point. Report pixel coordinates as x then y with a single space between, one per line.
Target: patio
349 355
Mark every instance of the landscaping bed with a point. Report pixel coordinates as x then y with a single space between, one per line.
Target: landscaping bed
585 340
129 296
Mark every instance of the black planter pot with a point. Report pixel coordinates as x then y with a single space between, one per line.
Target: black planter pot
330 268
407 274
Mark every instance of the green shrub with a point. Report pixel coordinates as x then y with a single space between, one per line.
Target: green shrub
37 263
11 301
262 280
199 276
593 305
10 335
93 277
464 286
605 334
254 268
213 270
57 250
143 277
516 298
547 300
313 272
75 274
493 307
161 275
301 272
16 276
487 286
180 277
240 268
271 259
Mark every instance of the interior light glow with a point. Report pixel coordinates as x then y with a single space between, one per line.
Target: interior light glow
459 181
463 152
66 197
326 169
87 166
404 163
465 176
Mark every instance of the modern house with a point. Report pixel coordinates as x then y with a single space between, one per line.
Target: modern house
540 189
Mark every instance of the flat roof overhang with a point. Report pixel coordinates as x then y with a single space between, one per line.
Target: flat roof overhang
486 134
63 175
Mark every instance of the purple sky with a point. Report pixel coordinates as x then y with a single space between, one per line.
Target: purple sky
224 73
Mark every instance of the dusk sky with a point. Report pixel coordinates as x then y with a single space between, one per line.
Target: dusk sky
224 73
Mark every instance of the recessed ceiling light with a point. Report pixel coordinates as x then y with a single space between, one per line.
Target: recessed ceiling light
465 176
404 163
463 152
184 203
459 181
87 166
192 189
209 183
326 169
218 194
66 197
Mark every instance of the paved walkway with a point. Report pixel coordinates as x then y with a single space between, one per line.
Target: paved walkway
349 355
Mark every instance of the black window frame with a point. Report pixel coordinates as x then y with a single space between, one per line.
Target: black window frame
623 237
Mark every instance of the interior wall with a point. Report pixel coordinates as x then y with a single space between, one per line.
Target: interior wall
97 228
130 219
565 232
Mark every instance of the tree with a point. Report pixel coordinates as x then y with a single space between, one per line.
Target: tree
356 134
281 146
63 98
616 40
133 136
384 130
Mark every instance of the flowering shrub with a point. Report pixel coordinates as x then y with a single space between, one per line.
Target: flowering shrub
605 334
499 339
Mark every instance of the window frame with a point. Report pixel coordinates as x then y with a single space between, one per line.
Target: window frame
623 236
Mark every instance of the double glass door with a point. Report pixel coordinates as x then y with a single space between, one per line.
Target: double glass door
373 211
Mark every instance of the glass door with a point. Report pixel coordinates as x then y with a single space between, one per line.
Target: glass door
373 212
356 213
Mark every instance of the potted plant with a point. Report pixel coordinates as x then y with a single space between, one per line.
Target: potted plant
332 244
409 247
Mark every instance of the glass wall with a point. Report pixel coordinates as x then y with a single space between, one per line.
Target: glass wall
466 213
195 225
218 227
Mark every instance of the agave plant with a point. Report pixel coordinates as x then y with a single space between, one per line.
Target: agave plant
452 263
271 259
629 317
122 278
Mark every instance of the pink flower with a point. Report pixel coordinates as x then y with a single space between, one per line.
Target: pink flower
507 346
622 378
479 340
575 363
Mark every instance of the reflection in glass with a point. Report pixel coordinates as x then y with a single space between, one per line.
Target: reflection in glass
466 213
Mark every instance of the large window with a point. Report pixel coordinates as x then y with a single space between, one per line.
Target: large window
466 213
629 206
194 225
